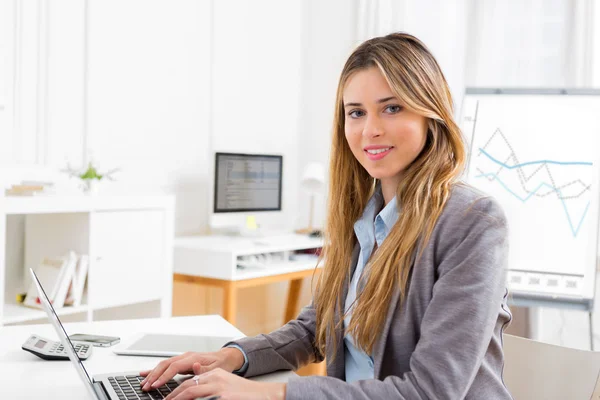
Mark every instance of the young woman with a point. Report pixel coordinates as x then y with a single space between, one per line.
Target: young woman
411 302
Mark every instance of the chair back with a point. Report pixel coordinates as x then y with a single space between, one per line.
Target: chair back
541 371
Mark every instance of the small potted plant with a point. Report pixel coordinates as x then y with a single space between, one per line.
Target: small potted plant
91 177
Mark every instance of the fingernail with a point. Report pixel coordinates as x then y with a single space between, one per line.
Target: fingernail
142 382
155 384
146 386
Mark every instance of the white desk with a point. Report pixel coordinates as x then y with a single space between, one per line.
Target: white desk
34 378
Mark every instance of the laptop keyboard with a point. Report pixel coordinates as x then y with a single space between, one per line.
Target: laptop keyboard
128 388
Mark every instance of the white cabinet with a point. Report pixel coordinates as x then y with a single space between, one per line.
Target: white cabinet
128 239
128 253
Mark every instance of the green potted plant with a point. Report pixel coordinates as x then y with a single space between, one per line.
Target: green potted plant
91 177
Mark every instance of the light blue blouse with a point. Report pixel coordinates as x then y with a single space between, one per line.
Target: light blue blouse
368 229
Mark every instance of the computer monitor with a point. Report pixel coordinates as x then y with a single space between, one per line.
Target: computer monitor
245 185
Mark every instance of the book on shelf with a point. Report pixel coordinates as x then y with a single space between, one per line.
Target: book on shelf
60 279
48 272
77 286
30 188
65 278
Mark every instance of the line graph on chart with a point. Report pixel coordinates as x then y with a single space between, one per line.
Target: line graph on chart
566 183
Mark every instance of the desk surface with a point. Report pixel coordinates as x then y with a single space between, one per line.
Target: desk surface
34 378
248 245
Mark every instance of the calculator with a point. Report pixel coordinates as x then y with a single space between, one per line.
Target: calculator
53 350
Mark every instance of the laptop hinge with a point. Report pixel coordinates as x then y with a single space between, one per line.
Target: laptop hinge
100 392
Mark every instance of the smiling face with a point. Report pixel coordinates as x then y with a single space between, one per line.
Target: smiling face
383 136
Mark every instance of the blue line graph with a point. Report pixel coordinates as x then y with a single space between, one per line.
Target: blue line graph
534 162
574 230
574 227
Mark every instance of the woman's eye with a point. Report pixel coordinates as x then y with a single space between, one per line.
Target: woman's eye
394 108
356 113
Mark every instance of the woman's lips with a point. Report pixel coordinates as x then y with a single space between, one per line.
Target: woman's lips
378 156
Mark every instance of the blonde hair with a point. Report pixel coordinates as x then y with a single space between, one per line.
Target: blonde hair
417 81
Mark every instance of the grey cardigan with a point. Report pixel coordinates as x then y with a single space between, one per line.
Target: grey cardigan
443 342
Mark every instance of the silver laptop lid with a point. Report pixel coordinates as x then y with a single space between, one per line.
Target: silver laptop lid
64 338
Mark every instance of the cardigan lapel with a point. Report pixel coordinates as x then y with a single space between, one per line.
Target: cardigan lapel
337 368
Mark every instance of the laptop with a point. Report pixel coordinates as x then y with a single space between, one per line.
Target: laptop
116 386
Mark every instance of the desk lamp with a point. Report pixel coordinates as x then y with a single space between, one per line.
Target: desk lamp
313 181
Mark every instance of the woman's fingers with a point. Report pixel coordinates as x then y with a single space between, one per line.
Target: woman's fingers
190 389
200 369
179 389
152 374
197 391
198 380
172 370
155 373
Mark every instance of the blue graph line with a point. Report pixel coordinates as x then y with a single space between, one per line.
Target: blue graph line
534 162
574 230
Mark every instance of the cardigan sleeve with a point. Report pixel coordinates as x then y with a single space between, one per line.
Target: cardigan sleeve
457 325
287 348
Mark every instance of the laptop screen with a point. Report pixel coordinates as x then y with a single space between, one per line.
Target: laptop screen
62 334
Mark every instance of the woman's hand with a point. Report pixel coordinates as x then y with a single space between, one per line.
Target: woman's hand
228 359
223 385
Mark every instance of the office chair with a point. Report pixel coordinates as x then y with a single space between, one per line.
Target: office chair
540 371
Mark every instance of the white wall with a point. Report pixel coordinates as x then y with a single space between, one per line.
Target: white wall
148 108
6 78
329 36
596 45
256 86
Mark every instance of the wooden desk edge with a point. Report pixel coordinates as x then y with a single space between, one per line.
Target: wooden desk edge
242 283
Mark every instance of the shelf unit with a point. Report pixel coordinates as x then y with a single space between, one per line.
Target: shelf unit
213 261
129 240
216 256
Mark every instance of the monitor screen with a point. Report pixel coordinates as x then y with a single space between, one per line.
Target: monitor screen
247 182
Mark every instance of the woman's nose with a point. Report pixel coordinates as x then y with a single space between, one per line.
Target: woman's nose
373 127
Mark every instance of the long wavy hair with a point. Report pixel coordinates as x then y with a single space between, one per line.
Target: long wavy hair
417 81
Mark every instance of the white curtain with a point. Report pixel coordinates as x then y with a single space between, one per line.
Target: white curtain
529 43
379 17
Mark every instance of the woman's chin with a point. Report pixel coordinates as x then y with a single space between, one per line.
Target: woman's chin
382 176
